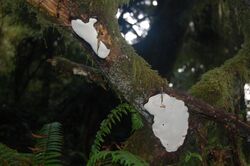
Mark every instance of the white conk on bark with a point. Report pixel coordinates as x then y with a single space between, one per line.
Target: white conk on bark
247 94
88 33
170 120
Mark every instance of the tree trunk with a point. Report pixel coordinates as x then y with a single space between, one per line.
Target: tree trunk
130 76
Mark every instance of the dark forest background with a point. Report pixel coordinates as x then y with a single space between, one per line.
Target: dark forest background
186 38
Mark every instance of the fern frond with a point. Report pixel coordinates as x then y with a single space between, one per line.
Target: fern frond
49 145
113 117
10 157
105 128
136 119
117 157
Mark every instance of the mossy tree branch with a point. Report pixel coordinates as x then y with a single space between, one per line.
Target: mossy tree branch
66 66
128 74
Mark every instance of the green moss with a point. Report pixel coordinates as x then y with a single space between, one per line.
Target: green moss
220 86
214 88
130 73
11 35
102 8
144 76
134 75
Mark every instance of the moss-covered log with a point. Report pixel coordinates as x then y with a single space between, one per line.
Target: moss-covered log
133 79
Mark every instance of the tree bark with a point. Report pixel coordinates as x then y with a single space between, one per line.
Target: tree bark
66 66
129 75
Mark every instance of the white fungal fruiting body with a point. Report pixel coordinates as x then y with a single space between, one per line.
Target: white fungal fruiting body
247 94
248 116
88 33
170 120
